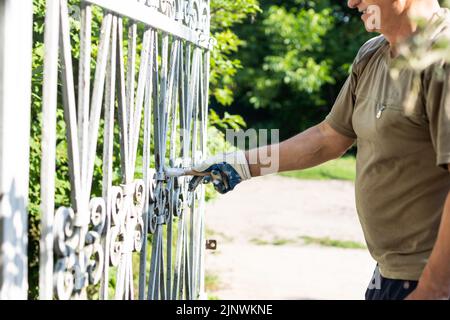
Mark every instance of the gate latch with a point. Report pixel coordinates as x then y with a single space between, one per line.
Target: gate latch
211 244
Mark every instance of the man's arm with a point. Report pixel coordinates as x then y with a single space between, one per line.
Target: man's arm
435 280
307 149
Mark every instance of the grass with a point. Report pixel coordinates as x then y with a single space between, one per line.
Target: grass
212 282
327 242
259 242
307 240
341 169
281 242
274 242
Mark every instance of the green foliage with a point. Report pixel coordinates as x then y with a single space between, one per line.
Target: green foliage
296 54
234 121
293 35
224 15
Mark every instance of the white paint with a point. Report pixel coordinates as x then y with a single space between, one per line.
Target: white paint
49 91
16 18
151 17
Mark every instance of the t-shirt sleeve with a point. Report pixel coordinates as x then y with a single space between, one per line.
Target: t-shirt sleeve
438 113
340 116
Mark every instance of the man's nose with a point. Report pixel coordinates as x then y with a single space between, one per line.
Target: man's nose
353 3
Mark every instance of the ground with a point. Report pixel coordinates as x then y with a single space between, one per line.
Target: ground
285 238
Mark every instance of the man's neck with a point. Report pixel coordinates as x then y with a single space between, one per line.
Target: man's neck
407 22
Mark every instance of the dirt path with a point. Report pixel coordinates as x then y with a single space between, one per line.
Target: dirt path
262 254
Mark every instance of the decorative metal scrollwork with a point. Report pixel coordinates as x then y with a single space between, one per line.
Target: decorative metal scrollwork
168 8
80 254
127 227
192 13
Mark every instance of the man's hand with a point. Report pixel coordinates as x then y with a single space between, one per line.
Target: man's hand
425 294
435 280
224 170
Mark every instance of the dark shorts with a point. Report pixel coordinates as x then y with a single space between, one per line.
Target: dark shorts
381 288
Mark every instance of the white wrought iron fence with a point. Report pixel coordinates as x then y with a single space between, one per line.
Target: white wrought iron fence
144 83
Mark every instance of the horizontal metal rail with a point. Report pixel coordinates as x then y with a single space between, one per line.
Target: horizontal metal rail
153 18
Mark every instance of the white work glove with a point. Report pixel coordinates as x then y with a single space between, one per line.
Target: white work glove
224 170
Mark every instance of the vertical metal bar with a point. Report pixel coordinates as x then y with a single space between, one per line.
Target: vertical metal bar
153 278
123 119
186 282
154 274
51 41
120 281
174 99
142 81
97 100
200 209
108 142
130 294
180 291
201 254
187 266
169 257
156 94
131 75
160 146
178 257
193 221
181 261
181 89
178 98
70 109
161 268
204 105
187 97
205 95
84 79
146 166
194 103
170 92
16 21
173 86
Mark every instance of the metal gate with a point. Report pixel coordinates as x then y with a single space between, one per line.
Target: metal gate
140 95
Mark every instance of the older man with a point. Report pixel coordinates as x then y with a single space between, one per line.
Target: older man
403 182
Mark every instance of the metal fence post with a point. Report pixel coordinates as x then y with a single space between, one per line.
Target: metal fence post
16 20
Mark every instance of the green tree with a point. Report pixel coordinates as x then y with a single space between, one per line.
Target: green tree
225 15
296 54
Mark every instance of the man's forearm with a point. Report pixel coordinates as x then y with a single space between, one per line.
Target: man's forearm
305 150
435 280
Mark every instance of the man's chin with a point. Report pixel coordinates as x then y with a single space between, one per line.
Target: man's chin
372 21
371 29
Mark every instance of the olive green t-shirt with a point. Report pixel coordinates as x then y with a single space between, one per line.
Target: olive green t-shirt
403 141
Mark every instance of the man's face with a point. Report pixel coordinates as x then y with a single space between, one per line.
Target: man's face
380 15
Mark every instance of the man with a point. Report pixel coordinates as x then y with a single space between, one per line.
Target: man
403 179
